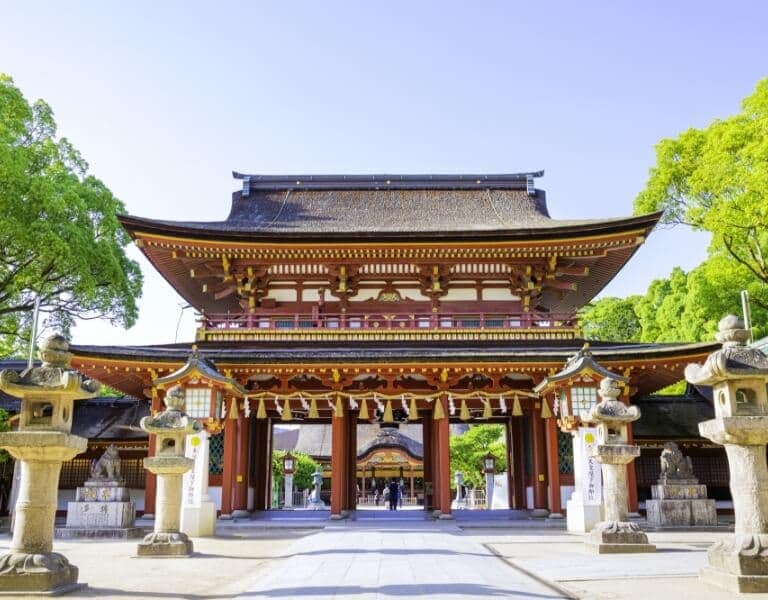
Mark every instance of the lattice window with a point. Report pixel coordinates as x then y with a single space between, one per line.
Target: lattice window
565 452
494 322
75 472
216 457
583 399
198 402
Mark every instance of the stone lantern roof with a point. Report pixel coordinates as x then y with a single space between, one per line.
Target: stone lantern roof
735 360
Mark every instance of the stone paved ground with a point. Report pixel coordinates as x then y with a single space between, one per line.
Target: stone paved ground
307 558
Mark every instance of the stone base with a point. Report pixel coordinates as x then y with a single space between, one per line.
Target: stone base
101 515
48 573
165 545
681 513
732 582
581 518
118 533
199 521
618 537
539 513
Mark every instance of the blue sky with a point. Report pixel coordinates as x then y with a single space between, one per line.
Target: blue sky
165 99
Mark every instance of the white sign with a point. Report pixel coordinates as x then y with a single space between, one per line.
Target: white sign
592 487
195 480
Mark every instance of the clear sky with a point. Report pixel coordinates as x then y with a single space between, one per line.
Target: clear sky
165 99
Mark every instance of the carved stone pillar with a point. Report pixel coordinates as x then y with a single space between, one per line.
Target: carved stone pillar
738 375
616 533
41 444
169 465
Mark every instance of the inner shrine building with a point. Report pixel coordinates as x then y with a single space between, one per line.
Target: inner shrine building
342 300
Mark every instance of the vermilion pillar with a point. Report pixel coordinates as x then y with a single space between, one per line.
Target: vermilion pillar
241 475
539 462
351 448
518 451
338 464
150 481
510 463
230 460
444 459
262 458
553 467
426 427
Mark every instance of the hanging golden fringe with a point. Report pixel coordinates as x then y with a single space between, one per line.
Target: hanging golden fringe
338 411
261 412
388 417
487 411
464 413
313 414
364 411
438 413
287 414
545 412
413 412
517 411
233 409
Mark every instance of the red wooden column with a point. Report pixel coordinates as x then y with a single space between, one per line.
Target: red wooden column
510 463
518 449
631 476
351 447
444 459
338 464
539 462
426 436
241 476
150 480
230 459
553 468
262 463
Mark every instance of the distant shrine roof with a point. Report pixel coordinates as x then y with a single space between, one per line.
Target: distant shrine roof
456 206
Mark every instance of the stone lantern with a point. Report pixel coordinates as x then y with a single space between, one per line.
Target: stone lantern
171 427
41 444
738 375
459 501
615 533
576 392
289 464
315 501
489 468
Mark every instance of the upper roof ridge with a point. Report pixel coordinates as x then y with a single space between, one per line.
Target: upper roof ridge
511 181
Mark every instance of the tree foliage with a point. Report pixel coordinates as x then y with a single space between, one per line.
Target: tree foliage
61 241
304 466
468 450
716 179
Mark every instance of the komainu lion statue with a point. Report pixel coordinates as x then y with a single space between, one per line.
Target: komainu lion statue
108 466
673 464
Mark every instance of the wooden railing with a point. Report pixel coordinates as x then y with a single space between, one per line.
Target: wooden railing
389 325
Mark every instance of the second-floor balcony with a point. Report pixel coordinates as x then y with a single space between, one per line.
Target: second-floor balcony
386 326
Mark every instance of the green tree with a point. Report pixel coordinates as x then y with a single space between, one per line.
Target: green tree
304 466
716 179
61 241
611 319
467 452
